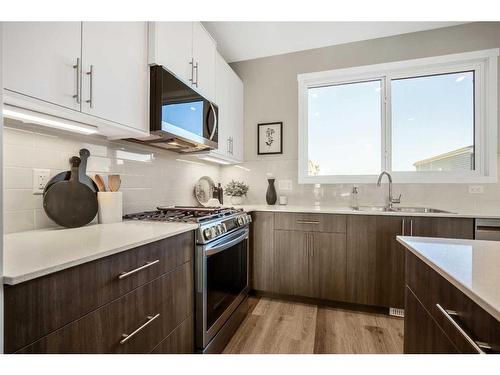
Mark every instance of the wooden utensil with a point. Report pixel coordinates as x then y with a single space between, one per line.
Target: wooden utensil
101 186
71 203
114 182
82 173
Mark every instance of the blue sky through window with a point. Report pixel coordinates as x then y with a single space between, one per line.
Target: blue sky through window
431 116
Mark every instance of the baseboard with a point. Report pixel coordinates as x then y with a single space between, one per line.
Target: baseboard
321 302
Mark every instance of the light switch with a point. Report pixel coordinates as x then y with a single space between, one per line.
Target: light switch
40 179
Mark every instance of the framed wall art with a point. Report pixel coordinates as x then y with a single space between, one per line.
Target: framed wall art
270 138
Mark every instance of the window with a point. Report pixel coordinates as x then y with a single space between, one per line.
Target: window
425 120
433 122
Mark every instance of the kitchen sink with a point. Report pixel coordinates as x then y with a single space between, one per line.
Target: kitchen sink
411 210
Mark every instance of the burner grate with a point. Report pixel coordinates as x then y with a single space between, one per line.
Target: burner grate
184 214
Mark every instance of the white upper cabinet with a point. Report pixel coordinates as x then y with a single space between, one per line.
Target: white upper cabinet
48 69
222 101
237 117
204 51
187 50
115 72
40 60
229 99
171 45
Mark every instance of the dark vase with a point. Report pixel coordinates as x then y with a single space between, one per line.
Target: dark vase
271 192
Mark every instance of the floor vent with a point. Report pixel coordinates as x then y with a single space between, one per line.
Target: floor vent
397 312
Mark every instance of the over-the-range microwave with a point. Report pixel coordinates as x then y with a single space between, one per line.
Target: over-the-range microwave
180 118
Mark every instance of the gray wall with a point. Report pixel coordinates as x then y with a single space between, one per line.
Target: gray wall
271 95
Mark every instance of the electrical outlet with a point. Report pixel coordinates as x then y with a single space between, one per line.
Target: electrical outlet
40 179
284 185
476 189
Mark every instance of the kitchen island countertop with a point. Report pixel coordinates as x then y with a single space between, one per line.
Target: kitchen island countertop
28 255
472 266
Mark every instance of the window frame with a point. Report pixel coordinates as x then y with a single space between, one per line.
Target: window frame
482 63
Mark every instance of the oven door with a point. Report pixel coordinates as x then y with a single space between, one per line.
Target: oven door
222 283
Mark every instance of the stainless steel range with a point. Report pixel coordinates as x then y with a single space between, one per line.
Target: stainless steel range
221 269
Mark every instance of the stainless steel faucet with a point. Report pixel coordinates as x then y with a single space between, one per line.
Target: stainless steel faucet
391 199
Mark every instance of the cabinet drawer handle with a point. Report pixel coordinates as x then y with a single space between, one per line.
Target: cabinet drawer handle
307 222
127 337
128 273
477 345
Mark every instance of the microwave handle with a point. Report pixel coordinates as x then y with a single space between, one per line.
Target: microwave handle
215 123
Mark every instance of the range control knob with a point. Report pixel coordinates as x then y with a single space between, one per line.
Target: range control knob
220 230
240 220
213 230
207 233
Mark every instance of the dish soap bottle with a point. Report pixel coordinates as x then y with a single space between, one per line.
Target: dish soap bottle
354 198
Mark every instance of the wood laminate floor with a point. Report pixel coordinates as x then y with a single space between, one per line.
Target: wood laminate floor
276 326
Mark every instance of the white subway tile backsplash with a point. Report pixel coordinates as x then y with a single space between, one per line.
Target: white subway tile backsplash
21 199
150 177
18 221
17 178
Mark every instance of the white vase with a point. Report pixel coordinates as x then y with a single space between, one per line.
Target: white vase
236 200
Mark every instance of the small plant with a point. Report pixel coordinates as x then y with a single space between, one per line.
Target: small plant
236 189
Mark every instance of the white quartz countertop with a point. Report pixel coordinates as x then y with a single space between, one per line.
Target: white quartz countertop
471 266
349 211
28 255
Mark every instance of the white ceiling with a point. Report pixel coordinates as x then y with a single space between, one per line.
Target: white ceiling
249 40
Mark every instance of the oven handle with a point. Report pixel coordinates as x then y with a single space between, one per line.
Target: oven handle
214 249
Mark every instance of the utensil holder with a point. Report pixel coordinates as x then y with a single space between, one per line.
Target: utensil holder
110 207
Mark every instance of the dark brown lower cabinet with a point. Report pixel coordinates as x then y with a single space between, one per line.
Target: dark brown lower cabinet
310 264
422 334
291 273
375 261
180 341
328 266
93 307
349 258
468 327
262 254
147 315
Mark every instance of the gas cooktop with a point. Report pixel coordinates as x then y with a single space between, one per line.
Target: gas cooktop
185 214
215 222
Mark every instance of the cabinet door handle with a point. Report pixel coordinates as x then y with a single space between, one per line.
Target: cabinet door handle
477 345
194 67
403 227
299 221
192 71
90 73
123 275
411 227
77 66
312 244
126 337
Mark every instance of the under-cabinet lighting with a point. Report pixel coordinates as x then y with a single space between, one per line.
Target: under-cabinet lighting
190 162
214 160
32 117
240 167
